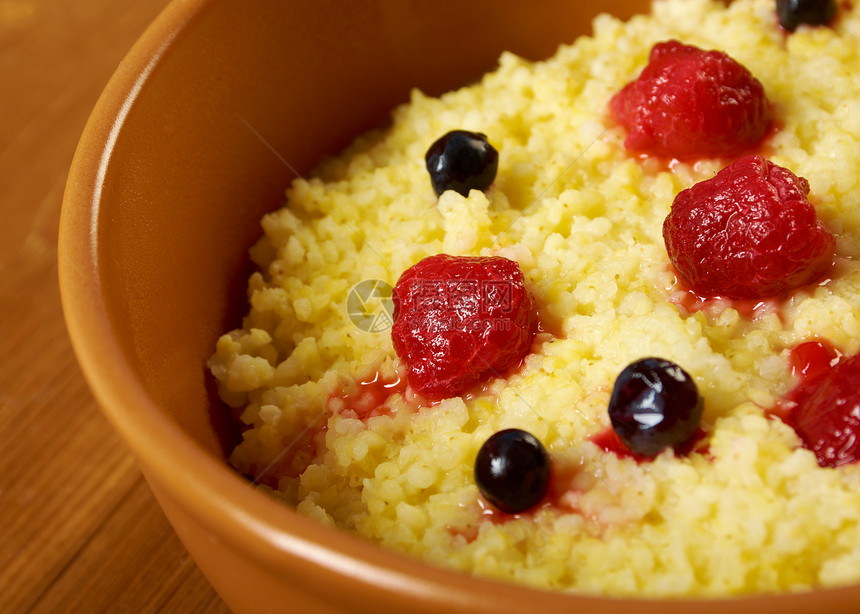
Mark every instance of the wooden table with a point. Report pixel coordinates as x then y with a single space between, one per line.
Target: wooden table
79 528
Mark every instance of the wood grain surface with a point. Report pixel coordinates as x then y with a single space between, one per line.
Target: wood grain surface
79 528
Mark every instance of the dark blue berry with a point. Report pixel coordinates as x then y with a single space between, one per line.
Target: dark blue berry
655 404
462 161
512 470
793 13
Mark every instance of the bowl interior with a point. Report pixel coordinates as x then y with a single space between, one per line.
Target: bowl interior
228 113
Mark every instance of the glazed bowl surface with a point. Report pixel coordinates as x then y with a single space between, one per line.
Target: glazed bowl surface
214 111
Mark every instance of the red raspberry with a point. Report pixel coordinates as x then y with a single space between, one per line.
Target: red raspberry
826 415
689 103
747 233
460 318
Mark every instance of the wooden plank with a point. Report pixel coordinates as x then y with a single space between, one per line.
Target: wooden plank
101 578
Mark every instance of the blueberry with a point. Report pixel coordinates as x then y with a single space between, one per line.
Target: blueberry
512 470
462 161
793 13
655 404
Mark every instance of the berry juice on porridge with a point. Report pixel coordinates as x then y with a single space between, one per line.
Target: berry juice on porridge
468 338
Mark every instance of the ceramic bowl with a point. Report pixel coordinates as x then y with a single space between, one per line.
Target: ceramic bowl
214 111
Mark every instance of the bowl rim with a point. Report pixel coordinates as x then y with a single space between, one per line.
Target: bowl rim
136 417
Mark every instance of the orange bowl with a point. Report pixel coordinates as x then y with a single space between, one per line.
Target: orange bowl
213 112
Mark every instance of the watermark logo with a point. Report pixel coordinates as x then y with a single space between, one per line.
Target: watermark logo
470 306
496 296
370 305
457 296
440 324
